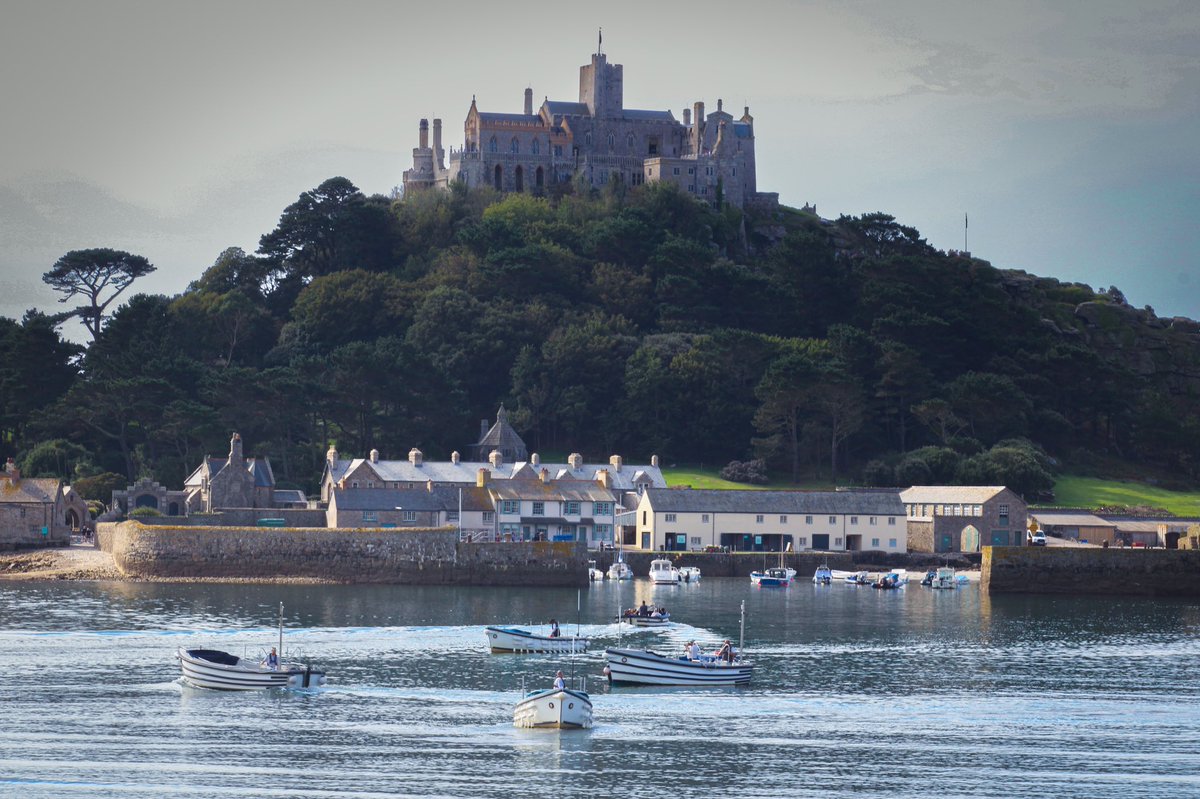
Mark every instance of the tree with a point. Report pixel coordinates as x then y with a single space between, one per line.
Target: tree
93 274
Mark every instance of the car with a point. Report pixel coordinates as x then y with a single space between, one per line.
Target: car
1037 538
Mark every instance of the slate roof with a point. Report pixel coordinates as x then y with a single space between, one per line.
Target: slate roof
1069 518
29 491
653 116
466 472
677 500
563 108
953 494
555 490
264 476
524 119
415 499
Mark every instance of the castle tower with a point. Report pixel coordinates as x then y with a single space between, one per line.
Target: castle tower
438 156
601 87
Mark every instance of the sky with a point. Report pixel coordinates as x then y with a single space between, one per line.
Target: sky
1068 130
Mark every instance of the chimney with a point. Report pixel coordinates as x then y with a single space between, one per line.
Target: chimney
235 449
687 116
496 458
374 456
575 460
698 128
424 134
544 476
455 457
11 470
720 103
429 486
528 102
332 454
481 477
414 457
437 141
616 462
535 459
654 461
605 478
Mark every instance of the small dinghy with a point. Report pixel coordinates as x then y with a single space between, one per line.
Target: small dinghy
511 639
221 671
554 708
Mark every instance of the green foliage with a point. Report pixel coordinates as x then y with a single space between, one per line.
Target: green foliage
144 513
99 487
54 458
99 276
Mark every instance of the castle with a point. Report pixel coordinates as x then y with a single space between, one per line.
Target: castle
597 140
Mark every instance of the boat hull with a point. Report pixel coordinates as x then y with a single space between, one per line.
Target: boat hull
620 571
554 709
642 667
220 671
510 639
769 581
647 621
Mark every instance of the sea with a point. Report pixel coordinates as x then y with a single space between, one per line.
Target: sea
857 692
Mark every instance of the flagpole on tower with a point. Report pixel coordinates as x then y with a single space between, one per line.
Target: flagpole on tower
600 41
965 226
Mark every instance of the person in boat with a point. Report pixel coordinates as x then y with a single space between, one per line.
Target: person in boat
693 651
643 610
657 614
559 684
554 631
272 660
726 651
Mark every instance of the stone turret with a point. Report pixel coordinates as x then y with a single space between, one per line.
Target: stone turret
698 128
528 102
235 450
424 134
437 144
415 457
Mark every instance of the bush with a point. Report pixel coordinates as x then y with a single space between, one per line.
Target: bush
754 471
877 473
144 513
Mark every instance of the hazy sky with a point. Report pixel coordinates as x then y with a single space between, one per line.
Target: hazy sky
1070 131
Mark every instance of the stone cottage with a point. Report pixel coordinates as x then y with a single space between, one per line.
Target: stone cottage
233 482
33 510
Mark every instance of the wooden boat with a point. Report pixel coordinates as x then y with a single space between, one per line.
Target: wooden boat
221 671
511 639
771 578
643 667
554 708
655 619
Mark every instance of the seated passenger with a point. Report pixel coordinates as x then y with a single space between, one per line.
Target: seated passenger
554 631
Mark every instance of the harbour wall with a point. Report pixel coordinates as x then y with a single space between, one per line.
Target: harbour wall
1091 570
409 556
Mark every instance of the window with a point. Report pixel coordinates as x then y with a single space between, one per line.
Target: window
558 150
874 519
675 170
370 484
833 520
534 147
451 515
696 540
808 520
783 520
891 543
892 521
489 516
758 518
803 540
408 516
875 543
602 509
691 170
492 145
1003 514
612 142
837 542
704 189
572 509
370 516
643 517
510 506
354 484
603 531
692 188
514 146
668 517
704 517
539 509
854 520
629 142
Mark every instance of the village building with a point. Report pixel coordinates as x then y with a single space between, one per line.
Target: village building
37 511
147 493
499 437
597 140
231 482
963 518
544 508
469 509
769 521
1086 527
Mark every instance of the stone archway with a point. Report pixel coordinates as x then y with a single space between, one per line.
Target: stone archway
146 501
970 538
72 519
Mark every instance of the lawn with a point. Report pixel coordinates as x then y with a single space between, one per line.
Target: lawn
1093 492
708 478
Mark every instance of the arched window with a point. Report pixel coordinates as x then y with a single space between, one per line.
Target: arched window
538 178
514 146
629 142
499 177
535 148
519 176
492 145
612 142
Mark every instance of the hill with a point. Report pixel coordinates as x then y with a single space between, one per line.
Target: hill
637 321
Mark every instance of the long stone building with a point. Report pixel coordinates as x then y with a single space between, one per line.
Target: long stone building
596 139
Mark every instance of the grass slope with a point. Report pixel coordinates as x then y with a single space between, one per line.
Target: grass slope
1093 492
708 478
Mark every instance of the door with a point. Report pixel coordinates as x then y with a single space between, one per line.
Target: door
1000 538
970 539
820 541
645 540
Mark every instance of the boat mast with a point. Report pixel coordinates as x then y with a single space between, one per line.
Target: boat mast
742 633
281 631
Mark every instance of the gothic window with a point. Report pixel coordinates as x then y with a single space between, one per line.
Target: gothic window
519 176
587 138
535 148
538 178
514 146
492 145
612 141
499 178
558 150
629 142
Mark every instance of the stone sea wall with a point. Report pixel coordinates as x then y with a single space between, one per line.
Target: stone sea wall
1088 570
410 556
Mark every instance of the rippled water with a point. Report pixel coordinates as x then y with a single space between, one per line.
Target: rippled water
861 692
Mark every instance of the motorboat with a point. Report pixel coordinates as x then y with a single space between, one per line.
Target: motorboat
689 574
221 671
663 572
944 578
858 578
511 639
594 574
929 577
823 575
888 581
775 578
619 570
643 667
554 708
901 576
654 618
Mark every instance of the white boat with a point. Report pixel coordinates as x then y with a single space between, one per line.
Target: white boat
774 578
212 668
656 618
944 578
619 570
791 573
662 572
901 577
689 574
643 667
823 575
594 574
511 639
839 576
858 578
554 708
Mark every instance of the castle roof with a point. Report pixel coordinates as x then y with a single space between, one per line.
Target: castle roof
563 108
525 119
654 116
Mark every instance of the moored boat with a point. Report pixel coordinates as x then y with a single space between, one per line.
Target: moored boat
823 575
554 708
663 572
943 578
594 574
511 639
619 570
774 578
212 668
689 574
858 578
